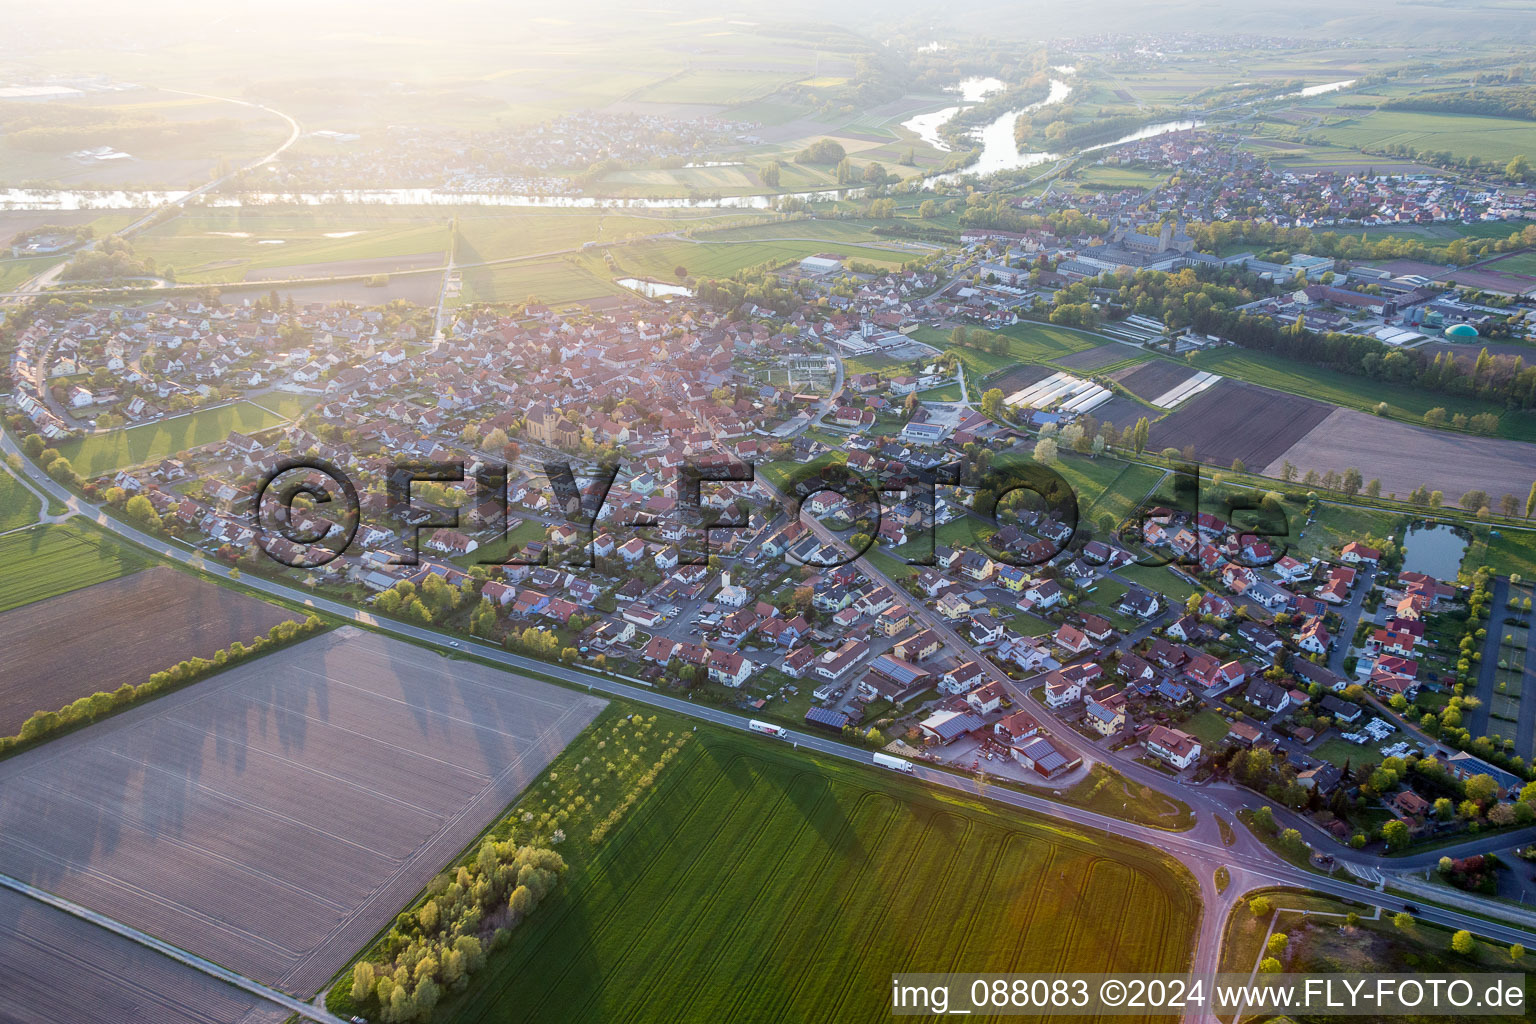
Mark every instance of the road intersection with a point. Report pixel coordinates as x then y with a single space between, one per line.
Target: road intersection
1201 849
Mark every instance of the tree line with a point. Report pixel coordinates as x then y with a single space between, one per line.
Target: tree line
1198 298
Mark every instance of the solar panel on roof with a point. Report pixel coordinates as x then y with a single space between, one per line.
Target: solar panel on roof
827 717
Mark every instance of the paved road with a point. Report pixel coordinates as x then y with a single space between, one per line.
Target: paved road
1481 721
1200 849
1350 613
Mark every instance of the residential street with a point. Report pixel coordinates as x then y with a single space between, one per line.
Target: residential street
1200 849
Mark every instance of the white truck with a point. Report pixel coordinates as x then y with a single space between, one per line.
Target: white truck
895 764
768 729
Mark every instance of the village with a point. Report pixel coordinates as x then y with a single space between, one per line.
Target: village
998 640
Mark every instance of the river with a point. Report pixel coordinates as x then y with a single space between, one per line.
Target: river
971 90
999 152
999 149
1319 90
144 199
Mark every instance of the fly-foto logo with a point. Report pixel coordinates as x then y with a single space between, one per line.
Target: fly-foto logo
1020 513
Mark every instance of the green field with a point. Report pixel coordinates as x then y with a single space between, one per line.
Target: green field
16 272
1519 263
1209 726
1336 525
1119 177
755 883
1107 486
1495 139
1028 342
227 244
829 230
1338 751
286 404
18 506
660 258
943 393
108 452
716 86
557 282
1512 551
1403 401
492 234
498 549
56 558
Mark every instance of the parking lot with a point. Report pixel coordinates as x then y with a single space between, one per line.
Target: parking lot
273 818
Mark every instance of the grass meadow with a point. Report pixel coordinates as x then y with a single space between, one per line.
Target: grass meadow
18 506
108 452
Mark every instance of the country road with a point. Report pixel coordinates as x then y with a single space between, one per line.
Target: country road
1200 849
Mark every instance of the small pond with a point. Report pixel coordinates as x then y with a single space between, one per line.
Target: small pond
1434 550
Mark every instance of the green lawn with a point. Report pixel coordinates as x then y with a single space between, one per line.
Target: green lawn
289 406
18 506
1209 726
1513 551
57 558
755 883
1028 342
1336 525
1106 486
1337 751
1520 263
1108 177
1403 402
872 363
108 452
501 547
944 393
1160 580
16 272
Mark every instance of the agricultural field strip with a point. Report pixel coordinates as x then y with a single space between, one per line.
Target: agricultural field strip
870 871
233 806
786 879
148 620
728 863
56 558
677 781
70 969
619 910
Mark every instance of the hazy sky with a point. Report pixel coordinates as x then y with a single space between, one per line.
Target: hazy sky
295 25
